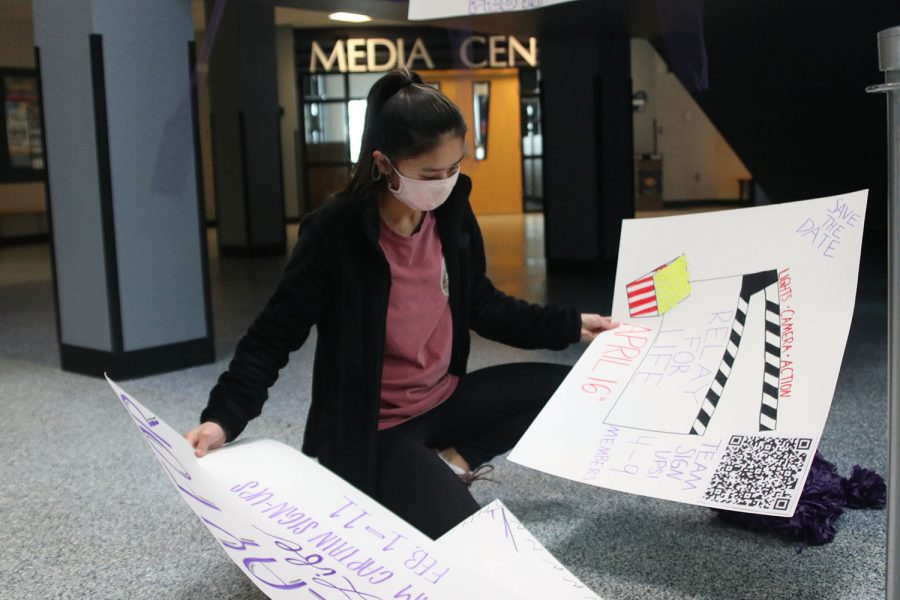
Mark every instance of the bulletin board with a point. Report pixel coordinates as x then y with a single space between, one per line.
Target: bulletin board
21 137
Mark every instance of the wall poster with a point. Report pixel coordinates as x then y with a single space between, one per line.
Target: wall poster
22 149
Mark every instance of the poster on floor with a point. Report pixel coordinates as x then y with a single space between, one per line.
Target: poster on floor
299 531
715 388
514 555
429 9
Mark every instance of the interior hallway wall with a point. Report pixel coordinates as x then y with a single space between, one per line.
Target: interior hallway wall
698 163
22 205
787 89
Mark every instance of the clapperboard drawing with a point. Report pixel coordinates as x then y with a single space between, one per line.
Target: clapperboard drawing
664 293
715 388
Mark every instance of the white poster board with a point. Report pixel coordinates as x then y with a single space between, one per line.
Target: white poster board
716 387
420 10
521 562
297 530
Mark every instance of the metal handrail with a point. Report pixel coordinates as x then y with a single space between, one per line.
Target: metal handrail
883 88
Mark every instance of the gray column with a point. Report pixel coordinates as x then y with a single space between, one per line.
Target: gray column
588 149
290 122
889 62
246 130
128 240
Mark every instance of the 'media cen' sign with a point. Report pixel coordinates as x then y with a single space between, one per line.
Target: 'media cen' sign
360 55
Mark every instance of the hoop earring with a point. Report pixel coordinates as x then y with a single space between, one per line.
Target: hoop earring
376 174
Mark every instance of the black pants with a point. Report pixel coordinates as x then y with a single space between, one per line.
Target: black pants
486 415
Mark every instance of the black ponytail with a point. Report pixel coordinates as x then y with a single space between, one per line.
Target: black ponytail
404 118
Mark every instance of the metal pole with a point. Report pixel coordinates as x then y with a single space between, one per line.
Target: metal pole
889 62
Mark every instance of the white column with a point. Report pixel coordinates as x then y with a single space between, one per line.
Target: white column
129 246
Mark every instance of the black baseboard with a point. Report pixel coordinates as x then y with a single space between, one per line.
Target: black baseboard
137 363
279 249
24 240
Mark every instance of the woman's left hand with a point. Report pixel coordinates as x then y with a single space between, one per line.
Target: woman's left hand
592 325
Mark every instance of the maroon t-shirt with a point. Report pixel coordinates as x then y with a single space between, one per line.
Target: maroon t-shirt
419 336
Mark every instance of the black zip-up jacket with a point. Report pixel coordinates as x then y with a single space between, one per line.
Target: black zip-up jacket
338 279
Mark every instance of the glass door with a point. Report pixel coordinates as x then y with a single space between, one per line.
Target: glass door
334 111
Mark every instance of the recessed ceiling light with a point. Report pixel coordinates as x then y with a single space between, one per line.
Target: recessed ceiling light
349 17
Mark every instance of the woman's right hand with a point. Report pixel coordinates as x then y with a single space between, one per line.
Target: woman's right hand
205 437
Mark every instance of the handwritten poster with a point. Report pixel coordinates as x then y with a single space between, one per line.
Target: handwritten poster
429 9
715 388
299 531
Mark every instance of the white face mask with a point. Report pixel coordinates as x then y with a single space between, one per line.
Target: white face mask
423 194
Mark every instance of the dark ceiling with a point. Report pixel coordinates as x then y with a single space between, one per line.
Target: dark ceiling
633 18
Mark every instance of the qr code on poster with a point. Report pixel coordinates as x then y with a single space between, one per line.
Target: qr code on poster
759 472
